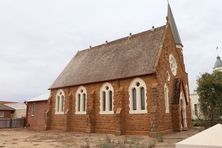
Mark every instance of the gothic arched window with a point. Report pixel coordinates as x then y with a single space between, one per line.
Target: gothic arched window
81 100
106 99
60 102
137 96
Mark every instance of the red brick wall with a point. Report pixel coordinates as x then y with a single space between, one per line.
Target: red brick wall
7 113
127 123
36 121
132 123
164 120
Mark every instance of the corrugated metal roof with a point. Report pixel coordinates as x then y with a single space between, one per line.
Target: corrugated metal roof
5 107
43 97
17 105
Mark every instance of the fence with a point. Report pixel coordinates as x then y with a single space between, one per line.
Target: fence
12 123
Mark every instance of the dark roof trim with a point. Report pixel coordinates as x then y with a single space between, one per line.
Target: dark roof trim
101 81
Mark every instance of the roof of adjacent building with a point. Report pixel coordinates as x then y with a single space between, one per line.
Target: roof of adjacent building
43 97
127 57
4 107
218 63
17 106
5 102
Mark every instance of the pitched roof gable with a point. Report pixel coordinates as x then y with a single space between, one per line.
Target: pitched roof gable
127 57
5 107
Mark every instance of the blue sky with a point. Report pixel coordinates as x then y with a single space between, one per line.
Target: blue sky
38 38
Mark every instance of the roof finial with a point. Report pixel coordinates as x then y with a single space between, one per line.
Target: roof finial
217 51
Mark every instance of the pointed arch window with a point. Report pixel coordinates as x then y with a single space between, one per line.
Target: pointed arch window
59 103
106 99
138 96
81 100
166 98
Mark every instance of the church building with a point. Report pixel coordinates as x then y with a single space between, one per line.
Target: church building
134 85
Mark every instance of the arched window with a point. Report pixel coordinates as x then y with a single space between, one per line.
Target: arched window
138 97
81 100
106 99
166 98
59 103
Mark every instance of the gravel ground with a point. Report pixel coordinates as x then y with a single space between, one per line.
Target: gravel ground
23 138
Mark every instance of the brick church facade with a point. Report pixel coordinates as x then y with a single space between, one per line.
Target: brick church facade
133 85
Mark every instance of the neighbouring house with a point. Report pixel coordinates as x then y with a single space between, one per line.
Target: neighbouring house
6 102
133 85
195 106
6 111
35 113
20 109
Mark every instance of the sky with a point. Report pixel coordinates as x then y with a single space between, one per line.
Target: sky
38 38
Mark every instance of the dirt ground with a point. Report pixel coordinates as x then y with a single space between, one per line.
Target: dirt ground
23 138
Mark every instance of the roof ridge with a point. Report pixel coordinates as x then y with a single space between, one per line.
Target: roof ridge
120 39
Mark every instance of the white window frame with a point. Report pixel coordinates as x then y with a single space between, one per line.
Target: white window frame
133 85
59 102
166 98
1 114
80 105
106 87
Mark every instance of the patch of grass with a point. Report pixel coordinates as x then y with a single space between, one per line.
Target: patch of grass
151 144
107 145
159 138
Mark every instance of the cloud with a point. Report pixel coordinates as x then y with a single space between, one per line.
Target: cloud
38 38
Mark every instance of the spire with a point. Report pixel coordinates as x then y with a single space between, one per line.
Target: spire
218 63
173 26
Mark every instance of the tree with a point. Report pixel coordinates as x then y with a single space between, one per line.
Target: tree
210 97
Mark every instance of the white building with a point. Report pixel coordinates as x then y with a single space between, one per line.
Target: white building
195 105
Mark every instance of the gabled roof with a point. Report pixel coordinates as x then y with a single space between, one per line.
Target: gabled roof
17 106
4 102
127 57
43 97
5 107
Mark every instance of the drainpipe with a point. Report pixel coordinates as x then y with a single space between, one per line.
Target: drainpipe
26 116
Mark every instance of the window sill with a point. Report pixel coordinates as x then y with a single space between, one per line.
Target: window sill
106 112
138 112
59 113
80 113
